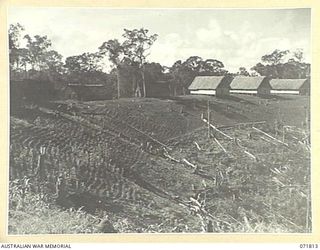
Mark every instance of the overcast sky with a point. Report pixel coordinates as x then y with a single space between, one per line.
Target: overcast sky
235 37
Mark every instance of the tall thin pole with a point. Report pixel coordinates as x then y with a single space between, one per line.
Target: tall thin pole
307 118
208 119
307 214
143 81
118 81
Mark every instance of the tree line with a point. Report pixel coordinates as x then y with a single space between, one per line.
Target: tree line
130 54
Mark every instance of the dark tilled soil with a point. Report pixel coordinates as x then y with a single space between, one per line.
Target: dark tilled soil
115 150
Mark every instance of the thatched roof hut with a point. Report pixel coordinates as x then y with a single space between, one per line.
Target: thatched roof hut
290 86
210 85
257 85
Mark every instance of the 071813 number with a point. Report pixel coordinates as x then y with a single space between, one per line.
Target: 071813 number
309 246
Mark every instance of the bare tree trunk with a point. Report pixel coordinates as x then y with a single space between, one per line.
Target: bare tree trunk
136 88
134 85
118 81
17 64
143 82
139 94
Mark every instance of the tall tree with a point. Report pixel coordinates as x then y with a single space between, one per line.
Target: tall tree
15 52
15 31
193 63
276 67
86 62
153 72
298 55
275 57
53 61
243 72
115 51
36 54
132 52
212 67
183 73
85 68
136 45
37 47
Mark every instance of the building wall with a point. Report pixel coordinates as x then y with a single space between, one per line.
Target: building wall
241 91
222 91
289 92
305 89
202 92
264 91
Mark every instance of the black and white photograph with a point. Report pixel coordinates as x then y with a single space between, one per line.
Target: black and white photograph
159 120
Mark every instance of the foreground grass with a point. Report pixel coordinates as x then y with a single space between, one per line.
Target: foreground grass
31 213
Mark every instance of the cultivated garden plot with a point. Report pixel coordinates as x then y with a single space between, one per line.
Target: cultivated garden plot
158 166
253 182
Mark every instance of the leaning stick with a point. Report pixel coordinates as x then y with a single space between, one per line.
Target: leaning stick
195 202
166 154
240 124
251 155
270 136
150 137
215 128
197 145
216 140
189 163
265 139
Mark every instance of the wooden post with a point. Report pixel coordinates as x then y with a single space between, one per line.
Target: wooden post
208 119
229 137
283 138
307 214
40 163
12 166
307 120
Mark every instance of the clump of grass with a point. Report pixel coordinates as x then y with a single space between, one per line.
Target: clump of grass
30 213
